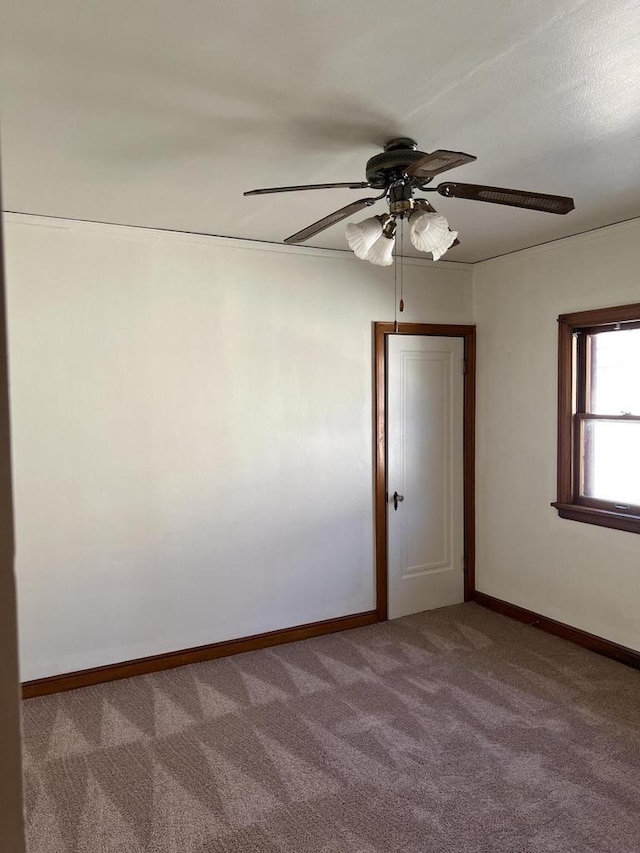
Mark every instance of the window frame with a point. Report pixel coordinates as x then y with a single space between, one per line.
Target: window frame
573 368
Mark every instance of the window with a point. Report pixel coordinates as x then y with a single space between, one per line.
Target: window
599 417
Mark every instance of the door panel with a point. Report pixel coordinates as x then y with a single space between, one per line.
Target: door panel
425 466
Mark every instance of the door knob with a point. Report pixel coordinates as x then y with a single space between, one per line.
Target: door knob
396 500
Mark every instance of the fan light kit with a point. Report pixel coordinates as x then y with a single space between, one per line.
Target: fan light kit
400 171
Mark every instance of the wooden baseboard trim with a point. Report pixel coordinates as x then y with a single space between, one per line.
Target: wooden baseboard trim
142 666
559 629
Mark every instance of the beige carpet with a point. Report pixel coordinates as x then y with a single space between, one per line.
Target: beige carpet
456 730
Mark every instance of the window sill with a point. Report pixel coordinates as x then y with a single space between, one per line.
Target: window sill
601 517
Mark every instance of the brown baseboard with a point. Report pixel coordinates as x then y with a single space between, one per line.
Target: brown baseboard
142 666
559 629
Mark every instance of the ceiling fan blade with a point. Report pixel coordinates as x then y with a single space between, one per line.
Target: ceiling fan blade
514 198
359 185
331 219
438 161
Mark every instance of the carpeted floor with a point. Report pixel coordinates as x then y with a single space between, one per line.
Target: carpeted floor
456 730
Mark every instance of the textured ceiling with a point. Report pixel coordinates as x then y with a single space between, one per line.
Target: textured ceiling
159 114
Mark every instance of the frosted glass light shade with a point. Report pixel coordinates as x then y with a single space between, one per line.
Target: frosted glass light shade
362 235
430 232
381 253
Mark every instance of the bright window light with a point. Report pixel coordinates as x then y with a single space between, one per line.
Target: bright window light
611 440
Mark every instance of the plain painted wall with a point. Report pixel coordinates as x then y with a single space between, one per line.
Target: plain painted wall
586 576
193 434
11 822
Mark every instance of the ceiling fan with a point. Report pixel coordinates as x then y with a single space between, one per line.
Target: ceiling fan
399 171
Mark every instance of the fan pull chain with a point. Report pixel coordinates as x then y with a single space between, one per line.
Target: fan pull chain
395 283
401 265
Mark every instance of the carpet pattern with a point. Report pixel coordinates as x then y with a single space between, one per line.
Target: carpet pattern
451 731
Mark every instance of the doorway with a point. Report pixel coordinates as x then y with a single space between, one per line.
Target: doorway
424 418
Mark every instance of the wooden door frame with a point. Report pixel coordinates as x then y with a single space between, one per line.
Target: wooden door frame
381 332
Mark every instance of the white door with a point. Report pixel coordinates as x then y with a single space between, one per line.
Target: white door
425 509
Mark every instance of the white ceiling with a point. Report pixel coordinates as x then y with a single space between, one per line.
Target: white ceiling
159 114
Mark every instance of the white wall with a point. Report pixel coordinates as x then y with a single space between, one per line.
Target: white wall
586 576
192 434
11 823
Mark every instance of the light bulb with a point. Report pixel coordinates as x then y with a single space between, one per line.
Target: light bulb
381 253
362 235
430 232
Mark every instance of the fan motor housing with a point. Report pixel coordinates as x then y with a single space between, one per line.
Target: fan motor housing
398 155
